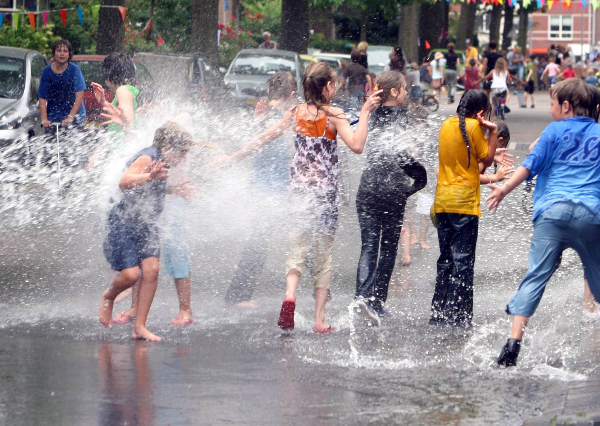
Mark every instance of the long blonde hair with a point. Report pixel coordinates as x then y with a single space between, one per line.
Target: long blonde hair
501 66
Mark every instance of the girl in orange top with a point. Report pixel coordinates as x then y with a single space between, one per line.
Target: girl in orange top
314 182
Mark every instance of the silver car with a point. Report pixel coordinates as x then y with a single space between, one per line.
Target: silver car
248 73
20 75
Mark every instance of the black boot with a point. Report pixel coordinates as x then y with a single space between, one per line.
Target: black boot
510 352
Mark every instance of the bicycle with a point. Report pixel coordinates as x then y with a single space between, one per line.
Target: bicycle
499 99
420 97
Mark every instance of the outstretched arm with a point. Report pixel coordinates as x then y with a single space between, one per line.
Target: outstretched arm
499 192
142 171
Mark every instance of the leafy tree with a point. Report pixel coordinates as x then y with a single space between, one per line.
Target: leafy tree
294 25
26 37
81 36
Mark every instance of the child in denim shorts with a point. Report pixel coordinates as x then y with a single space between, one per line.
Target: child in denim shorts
566 210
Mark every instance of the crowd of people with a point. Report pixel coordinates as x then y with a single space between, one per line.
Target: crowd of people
566 202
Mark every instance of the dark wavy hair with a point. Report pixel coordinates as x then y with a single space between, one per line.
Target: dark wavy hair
65 43
470 104
118 68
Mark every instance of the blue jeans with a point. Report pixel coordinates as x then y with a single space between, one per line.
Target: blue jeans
563 225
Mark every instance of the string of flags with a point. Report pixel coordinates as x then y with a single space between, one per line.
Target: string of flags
31 16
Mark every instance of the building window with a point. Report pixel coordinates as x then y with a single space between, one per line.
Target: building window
561 27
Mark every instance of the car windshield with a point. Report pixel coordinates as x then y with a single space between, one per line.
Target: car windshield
92 71
260 64
12 77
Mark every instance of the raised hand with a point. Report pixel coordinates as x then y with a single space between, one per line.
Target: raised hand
373 101
485 122
114 115
158 170
99 93
503 157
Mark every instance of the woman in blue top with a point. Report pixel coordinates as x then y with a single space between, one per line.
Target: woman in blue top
61 89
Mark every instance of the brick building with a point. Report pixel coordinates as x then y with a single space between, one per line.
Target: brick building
575 27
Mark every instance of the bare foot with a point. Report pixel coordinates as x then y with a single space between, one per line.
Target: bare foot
106 308
425 246
142 333
123 295
125 317
248 304
322 327
590 307
182 319
405 261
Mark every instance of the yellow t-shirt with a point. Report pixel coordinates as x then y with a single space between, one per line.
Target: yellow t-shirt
458 188
471 52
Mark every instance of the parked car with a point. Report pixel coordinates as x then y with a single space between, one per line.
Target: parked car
335 60
306 61
247 76
91 67
188 76
20 76
378 57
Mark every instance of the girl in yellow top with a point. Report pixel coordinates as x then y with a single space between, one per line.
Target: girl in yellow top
464 152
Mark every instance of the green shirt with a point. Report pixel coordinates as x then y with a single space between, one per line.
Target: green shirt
135 92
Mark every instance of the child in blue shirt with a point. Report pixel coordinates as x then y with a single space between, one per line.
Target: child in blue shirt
61 89
566 211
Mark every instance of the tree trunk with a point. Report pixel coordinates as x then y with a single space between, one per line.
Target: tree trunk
431 21
495 16
111 30
523 27
205 23
294 25
408 30
508 26
364 20
466 24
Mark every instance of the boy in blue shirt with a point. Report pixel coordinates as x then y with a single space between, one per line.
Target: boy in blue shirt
566 210
61 89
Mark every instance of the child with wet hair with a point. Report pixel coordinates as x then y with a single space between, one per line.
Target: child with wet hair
133 244
389 178
272 178
314 183
462 147
566 203
505 169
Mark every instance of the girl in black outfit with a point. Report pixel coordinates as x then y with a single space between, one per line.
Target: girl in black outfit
390 177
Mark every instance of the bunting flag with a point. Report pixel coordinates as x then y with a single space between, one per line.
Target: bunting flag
15 20
31 17
148 26
1 19
80 14
123 10
568 3
159 41
427 45
45 17
63 17
95 11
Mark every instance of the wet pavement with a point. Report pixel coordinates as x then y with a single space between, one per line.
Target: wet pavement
59 366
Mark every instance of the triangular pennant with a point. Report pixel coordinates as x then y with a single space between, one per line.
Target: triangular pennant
501 2
80 15
568 3
123 11
45 17
63 17
160 41
95 11
31 17
583 3
1 19
427 45
15 20
148 26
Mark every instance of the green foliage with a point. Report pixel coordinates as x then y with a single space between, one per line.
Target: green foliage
26 37
318 41
270 10
82 37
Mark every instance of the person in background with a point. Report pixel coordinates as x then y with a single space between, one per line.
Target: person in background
451 71
61 89
397 61
355 79
267 43
471 52
437 73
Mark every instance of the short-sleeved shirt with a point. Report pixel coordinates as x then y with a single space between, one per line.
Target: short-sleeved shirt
566 160
59 91
492 57
436 68
451 59
553 69
569 73
458 188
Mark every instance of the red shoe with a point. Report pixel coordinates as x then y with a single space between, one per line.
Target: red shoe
286 316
